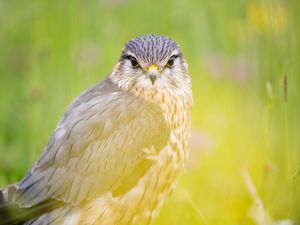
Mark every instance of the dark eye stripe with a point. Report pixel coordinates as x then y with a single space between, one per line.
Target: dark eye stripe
171 60
133 60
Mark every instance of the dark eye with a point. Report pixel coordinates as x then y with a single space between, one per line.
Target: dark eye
133 61
170 63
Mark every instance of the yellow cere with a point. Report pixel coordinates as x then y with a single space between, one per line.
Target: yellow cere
153 67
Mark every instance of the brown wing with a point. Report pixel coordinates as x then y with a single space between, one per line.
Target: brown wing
97 147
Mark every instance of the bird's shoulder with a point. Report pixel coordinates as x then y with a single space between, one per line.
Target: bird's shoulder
99 143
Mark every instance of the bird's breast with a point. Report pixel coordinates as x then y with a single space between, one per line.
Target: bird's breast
176 107
140 204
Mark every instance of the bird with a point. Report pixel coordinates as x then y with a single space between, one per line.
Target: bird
116 152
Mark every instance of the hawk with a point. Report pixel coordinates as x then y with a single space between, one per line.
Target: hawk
115 154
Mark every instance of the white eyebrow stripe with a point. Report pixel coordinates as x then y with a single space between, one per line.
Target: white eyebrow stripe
175 53
130 53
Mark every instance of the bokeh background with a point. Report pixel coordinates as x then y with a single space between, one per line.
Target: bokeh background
244 62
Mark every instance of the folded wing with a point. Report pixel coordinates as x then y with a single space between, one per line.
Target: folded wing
99 146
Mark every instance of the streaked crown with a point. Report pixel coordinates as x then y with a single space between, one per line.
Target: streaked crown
151 48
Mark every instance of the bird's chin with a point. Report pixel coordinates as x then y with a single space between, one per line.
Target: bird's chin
145 83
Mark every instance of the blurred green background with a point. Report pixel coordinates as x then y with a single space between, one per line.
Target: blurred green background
244 62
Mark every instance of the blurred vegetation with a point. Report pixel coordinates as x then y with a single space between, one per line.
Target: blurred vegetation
244 61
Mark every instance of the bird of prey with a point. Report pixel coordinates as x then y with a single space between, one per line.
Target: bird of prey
115 154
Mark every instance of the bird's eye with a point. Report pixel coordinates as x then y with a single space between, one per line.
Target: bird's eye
170 62
134 62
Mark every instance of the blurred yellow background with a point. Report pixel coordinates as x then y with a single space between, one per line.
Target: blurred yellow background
243 59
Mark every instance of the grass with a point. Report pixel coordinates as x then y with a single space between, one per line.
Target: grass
244 62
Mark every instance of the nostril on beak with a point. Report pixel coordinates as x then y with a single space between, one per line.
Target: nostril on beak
152 78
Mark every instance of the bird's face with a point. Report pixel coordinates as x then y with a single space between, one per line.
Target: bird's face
151 62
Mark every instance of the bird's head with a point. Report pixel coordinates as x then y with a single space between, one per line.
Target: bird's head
151 62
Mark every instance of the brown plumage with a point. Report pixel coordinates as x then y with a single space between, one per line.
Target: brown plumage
116 152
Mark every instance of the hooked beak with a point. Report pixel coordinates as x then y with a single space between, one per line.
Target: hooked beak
153 71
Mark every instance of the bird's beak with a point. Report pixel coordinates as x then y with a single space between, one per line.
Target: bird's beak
153 71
